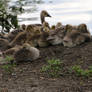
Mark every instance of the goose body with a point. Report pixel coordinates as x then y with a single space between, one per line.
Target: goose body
3 44
11 51
34 38
77 36
26 53
56 37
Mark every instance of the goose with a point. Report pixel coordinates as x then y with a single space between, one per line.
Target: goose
33 37
69 28
11 51
26 53
22 37
77 36
11 35
40 37
52 27
56 37
58 25
45 26
83 28
43 14
4 44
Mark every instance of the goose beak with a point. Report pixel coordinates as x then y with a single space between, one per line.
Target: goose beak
48 15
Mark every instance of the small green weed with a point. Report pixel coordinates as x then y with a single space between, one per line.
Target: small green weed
80 72
8 67
8 58
53 68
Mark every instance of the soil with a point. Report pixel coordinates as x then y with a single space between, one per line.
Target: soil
27 77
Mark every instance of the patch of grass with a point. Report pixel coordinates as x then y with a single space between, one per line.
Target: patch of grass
53 68
8 58
77 70
9 67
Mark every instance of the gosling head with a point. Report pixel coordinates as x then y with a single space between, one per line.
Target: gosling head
45 24
58 25
75 38
53 27
23 27
45 27
26 45
29 29
69 28
83 28
56 37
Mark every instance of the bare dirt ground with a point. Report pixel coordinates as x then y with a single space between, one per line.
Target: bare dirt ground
26 77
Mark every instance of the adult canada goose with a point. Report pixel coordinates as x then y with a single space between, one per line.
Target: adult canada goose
10 36
43 14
